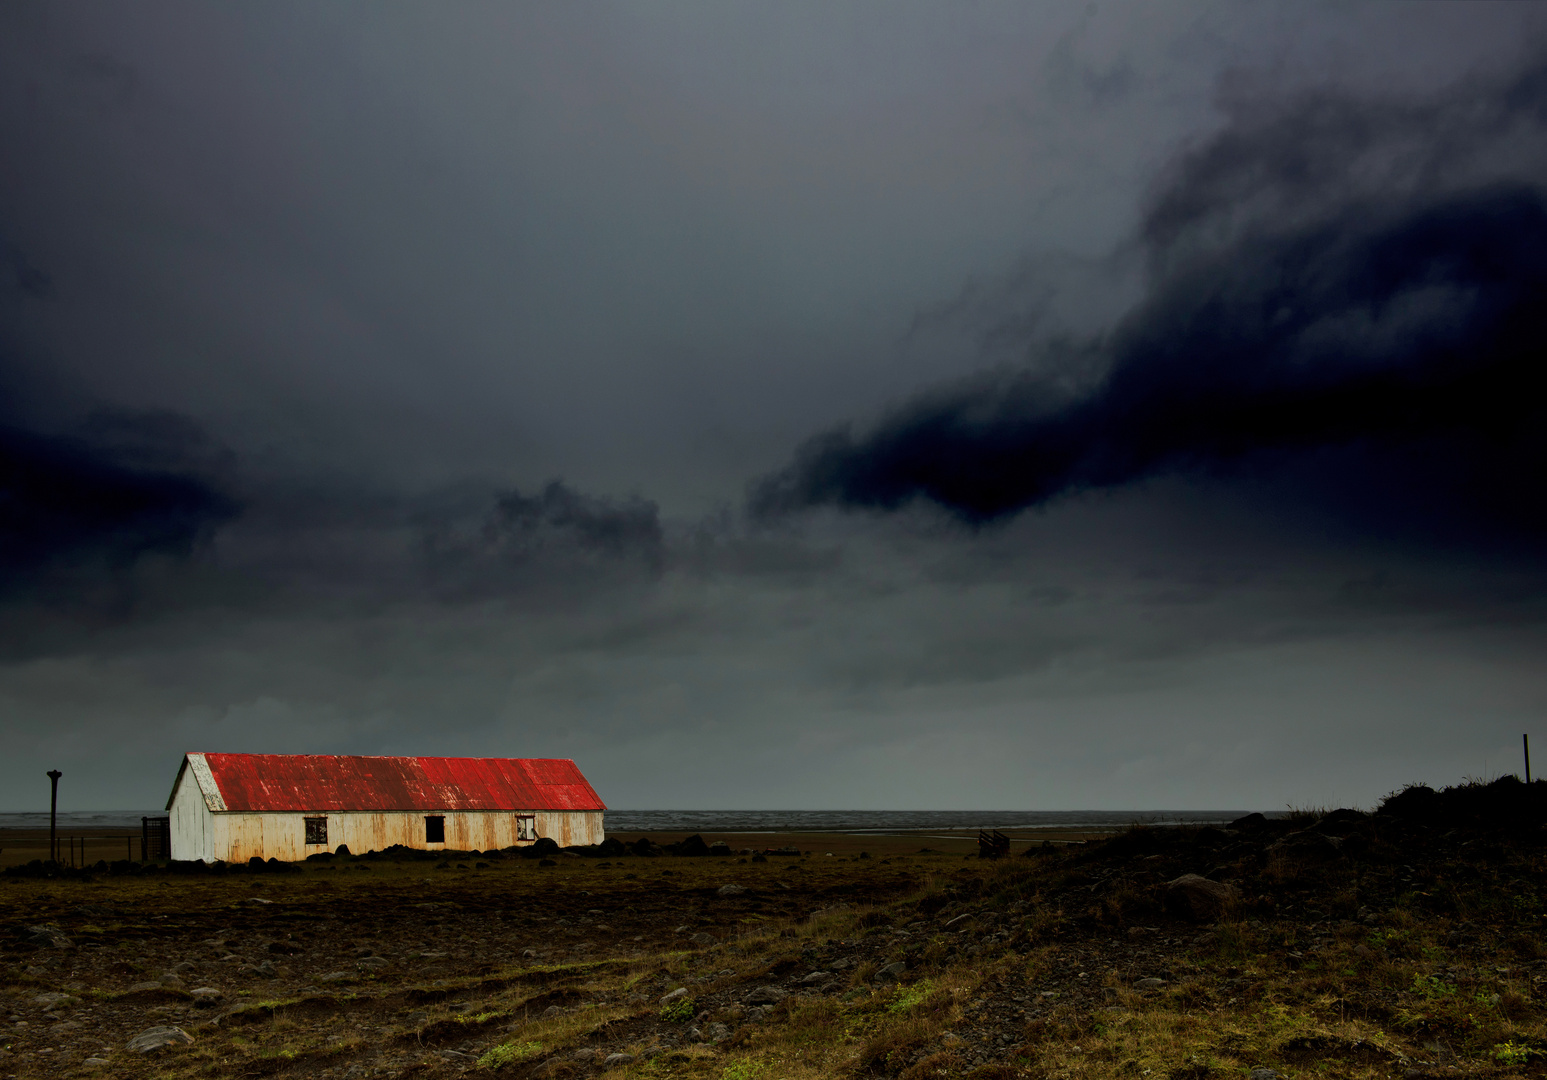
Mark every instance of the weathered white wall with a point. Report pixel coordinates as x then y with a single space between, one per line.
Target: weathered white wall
237 837
193 834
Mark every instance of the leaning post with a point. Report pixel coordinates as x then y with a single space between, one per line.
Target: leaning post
1525 743
53 814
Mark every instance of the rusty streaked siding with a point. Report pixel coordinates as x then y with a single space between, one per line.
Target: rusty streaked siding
232 807
237 837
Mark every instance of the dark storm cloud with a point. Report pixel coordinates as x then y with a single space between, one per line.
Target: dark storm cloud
558 543
132 485
1290 314
559 515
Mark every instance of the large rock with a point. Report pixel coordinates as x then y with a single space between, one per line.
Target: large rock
1308 845
543 845
766 995
731 890
693 845
158 1038
1195 896
1341 822
47 936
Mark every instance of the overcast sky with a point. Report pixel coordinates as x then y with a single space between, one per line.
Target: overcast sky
863 405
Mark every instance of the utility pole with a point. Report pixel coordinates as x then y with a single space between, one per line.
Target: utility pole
1525 742
53 813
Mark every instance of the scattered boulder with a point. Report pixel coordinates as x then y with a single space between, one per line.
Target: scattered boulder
766 995
1195 896
373 963
892 972
646 847
1151 983
731 890
676 995
1307 845
693 846
719 847
613 1061
702 939
50 1002
158 1038
612 848
1249 822
47 936
540 848
206 997
1341 822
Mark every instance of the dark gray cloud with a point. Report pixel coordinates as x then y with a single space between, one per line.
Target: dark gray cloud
129 487
560 517
1294 312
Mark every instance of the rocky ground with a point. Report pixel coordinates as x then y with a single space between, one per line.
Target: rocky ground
1403 943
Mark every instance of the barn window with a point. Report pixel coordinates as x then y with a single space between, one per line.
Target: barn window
316 830
435 829
526 827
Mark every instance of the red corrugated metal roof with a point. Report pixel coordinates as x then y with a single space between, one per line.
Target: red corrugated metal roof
302 782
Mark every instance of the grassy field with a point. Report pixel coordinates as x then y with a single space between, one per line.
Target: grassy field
1396 944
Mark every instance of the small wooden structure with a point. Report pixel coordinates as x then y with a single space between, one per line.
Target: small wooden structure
992 845
233 807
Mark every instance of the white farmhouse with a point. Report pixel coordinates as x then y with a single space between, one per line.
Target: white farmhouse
233 807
